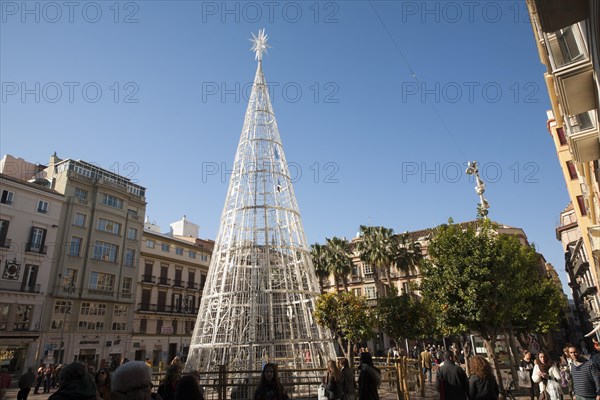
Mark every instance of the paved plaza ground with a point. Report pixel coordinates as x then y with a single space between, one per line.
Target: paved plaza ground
430 394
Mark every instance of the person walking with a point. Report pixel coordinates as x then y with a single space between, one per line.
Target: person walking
4 382
334 385
586 383
451 380
527 365
547 376
25 383
482 383
426 361
269 387
369 378
349 390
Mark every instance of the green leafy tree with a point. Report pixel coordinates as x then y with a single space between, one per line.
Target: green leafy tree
347 316
407 254
477 279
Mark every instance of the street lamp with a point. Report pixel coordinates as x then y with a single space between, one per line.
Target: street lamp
70 289
472 169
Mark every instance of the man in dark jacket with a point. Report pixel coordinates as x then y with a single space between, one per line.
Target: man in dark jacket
75 383
369 378
452 380
25 383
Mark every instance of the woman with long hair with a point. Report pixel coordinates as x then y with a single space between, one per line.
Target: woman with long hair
547 375
482 384
334 381
102 379
269 387
349 382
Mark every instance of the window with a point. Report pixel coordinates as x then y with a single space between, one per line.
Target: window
581 203
191 279
165 247
88 308
405 288
118 326
75 246
102 281
36 240
112 201
42 207
150 244
69 279
202 281
562 139
129 257
82 195
4 309
109 226
357 292
159 324
367 270
120 310
572 170
23 317
56 324
7 197
3 233
370 292
79 219
132 234
179 251
204 257
143 325
192 254
105 251
126 285
91 325
62 306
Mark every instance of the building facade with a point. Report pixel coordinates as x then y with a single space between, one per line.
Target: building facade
29 221
567 34
91 286
172 273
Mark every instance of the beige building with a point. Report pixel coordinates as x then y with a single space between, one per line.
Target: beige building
568 42
91 287
29 220
172 272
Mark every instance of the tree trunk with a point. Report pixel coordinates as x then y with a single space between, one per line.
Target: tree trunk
514 362
388 271
341 343
490 346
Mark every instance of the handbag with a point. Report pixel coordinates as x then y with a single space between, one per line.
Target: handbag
524 379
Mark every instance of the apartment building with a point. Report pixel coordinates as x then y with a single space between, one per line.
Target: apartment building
172 271
91 286
567 34
29 221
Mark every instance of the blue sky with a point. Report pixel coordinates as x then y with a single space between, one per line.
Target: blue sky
379 105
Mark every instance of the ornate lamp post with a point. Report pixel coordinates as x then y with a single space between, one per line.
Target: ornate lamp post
472 169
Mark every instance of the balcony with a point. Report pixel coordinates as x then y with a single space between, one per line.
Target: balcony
556 14
178 283
163 280
192 285
594 235
583 136
14 286
587 289
36 248
580 266
148 279
96 292
5 243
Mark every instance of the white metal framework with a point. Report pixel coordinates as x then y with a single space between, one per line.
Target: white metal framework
260 292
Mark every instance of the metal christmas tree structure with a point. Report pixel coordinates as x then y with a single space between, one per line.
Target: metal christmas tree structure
259 297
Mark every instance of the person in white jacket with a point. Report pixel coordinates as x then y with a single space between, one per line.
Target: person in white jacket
547 375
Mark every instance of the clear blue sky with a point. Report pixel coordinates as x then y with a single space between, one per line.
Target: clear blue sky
369 143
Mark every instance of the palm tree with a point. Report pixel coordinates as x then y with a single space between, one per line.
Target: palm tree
339 259
407 254
375 248
318 254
